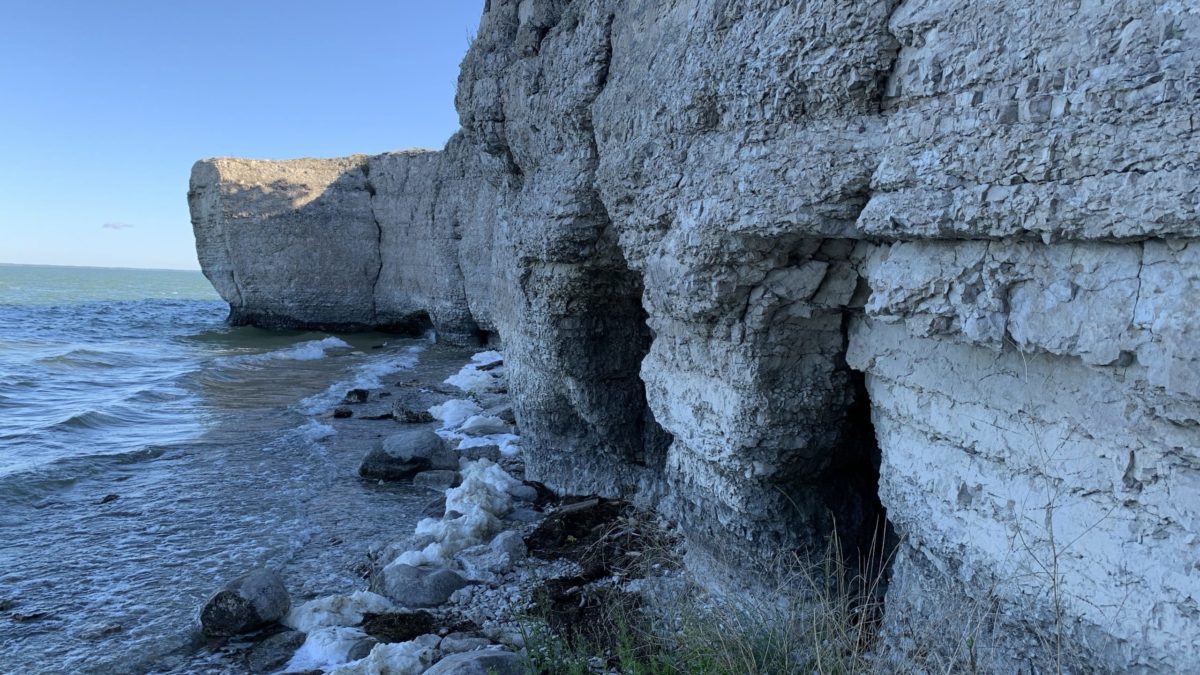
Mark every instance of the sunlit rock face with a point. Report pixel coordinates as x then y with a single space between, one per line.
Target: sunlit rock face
772 266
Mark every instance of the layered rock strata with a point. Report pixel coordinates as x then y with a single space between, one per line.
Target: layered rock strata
710 234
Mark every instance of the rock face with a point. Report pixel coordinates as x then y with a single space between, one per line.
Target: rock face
770 265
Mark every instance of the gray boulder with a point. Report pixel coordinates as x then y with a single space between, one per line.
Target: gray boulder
407 453
457 643
417 586
482 662
248 602
489 452
421 442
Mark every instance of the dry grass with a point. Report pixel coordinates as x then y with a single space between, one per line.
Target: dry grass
821 616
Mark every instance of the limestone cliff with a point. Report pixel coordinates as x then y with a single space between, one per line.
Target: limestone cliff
712 235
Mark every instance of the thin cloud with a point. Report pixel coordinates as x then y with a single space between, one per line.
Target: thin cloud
117 226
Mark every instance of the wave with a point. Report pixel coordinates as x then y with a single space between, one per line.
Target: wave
31 485
367 376
304 351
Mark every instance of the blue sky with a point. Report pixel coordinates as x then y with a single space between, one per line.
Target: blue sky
105 105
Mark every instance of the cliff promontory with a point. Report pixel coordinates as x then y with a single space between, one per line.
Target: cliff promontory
771 266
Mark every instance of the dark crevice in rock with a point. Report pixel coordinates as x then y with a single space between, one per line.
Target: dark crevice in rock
370 187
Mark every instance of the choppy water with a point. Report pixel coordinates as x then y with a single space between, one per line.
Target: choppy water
128 383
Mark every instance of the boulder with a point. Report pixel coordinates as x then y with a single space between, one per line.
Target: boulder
407 453
356 396
458 643
488 452
248 602
419 587
481 662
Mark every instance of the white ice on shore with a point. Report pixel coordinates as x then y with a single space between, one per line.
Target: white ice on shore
325 648
482 499
510 444
399 658
336 610
483 425
454 412
472 379
488 357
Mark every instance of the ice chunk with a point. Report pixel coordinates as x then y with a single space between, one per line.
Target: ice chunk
336 610
483 425
480 501
325 648
398 658
454 412
488 357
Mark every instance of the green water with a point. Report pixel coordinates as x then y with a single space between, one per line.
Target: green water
52 285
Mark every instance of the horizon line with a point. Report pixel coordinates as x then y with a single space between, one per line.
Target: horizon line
106 267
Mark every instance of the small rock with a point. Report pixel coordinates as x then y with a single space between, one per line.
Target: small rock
107 499
385 394
273 653
406 415
252 600
523 493
7 604
31 617
356 396
489 452
429 640
361 649
511 544
440 479
482 662
342 412
419 587
457 643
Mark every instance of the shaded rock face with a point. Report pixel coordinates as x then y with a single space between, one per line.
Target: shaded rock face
713 235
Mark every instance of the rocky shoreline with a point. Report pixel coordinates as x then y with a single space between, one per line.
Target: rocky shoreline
457 594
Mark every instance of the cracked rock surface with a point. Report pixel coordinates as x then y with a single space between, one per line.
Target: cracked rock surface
708 232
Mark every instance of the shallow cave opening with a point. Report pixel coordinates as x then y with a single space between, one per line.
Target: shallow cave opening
414 324
850 491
